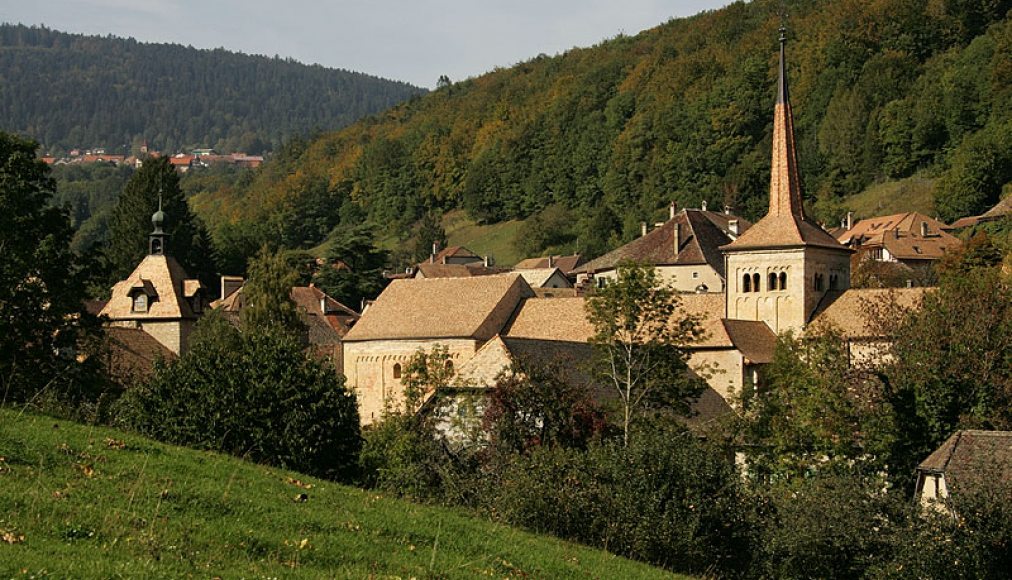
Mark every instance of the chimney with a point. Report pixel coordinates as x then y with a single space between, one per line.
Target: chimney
702 206
850 220
486 262
677 238
551 261
727 209
924 229
732 227
643 228
672 209
435 250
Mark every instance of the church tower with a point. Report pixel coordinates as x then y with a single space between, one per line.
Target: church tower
780 269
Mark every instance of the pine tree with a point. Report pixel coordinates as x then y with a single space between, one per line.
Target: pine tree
130 223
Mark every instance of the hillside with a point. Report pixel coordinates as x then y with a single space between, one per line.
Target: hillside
881 90
79 501
70 90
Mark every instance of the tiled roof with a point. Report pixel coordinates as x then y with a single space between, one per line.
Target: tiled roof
565 263
132 353
970 456
164 279
459 252
753 338
537 278
900 234
784 231
1001 209
326 319
439 270
701 235
559 319
441 308
852 311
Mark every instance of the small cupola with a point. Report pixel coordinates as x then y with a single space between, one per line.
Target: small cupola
156 241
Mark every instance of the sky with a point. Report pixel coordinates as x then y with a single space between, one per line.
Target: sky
409 40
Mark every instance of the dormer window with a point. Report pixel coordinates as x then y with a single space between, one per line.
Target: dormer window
140 302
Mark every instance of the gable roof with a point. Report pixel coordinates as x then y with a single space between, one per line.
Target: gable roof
441 308
753 338
851 311
538 277
900 234
164 280
459 252
1001 209
701 234
565 263
968 457
440 270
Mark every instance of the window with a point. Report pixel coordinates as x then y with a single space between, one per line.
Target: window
397 370
140 303
834 281
783 280
755 282
817 282
449 365
772 282
746 283
695 275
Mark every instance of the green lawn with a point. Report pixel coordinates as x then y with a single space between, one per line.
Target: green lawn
80 501
910 194
495 240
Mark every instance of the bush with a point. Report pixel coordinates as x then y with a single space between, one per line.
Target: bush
254 395
668 499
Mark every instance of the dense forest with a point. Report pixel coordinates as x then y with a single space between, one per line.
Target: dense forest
596 140
69 90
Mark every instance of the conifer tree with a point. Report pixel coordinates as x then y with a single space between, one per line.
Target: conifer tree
130 223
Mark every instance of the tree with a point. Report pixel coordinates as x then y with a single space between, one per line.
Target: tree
354 267
130 223
267 296
980 167
816 410
252 393
41 287
429 231
640 337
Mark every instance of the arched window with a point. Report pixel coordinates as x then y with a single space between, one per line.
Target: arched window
756 278
818 282
397 370
449 365
772 281
783 280
746 283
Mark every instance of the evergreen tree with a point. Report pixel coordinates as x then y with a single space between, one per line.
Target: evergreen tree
353 269
41 289
130 223
267 296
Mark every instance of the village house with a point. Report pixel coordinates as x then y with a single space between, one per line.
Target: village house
965 462
566 264
158 297
911 239
1001 210
685 251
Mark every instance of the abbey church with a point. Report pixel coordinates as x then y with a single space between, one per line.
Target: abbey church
746 283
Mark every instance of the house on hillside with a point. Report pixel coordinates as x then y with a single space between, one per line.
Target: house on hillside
967 461
1001 210
549 278
911 239
158 297
685 250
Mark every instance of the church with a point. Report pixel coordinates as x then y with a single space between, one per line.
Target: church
746 283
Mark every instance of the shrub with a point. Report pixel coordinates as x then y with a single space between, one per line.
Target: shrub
254 395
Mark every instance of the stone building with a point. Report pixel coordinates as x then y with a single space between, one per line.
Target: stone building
685 250
158 297
967 461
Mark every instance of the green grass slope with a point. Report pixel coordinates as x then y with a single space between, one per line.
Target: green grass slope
496 240
79 501
910 194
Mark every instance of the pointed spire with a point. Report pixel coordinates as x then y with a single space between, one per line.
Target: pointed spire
785 180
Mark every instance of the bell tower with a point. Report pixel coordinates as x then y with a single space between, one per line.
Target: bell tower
780 268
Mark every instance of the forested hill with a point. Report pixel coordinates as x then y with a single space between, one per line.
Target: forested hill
882 90
69 90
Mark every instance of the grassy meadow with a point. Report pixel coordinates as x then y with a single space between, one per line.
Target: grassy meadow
81 501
